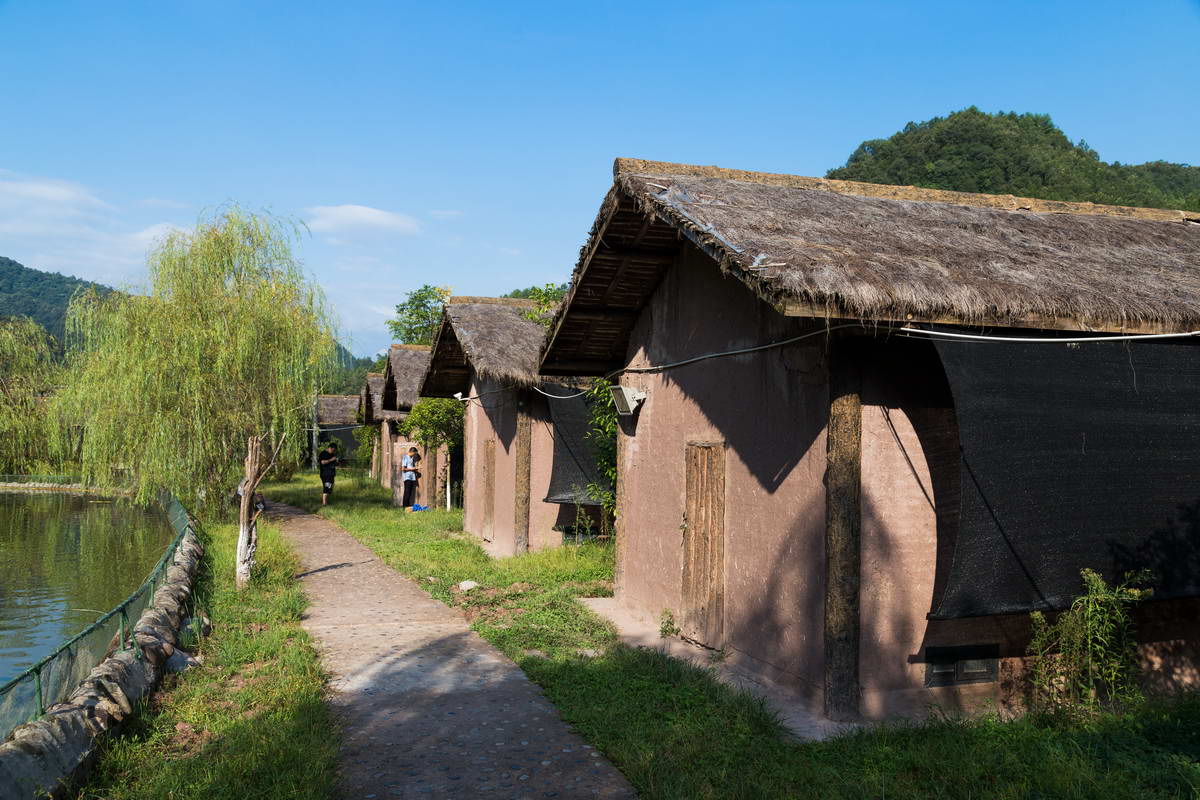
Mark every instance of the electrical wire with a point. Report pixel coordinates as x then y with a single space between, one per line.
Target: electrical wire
904 331
1044 340
739 352
539 390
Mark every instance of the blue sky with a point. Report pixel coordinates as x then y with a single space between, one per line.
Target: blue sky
470 144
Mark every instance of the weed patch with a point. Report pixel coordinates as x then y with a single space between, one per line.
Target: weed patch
250 721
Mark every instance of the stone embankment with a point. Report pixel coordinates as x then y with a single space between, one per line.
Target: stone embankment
44 756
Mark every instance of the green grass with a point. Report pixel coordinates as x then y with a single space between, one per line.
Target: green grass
676 732
251 721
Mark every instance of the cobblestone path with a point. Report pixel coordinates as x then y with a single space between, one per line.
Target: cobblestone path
427 707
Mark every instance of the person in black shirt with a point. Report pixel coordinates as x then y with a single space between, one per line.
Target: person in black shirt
328 461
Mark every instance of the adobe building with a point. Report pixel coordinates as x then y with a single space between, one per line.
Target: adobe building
526 464
370 408
825 482
335 416
402 375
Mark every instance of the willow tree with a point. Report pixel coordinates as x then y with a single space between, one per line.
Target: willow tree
228 345
28 374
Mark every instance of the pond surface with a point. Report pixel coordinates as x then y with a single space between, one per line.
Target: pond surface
64 560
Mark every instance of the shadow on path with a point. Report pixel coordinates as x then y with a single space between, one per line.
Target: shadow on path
427 707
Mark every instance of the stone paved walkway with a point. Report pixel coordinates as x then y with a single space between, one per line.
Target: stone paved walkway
427 707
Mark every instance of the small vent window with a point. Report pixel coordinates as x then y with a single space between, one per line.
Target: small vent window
953 666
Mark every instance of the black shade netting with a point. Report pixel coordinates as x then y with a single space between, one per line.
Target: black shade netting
574 466
1073 456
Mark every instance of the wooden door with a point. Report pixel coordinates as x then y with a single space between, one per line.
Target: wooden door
489 489
703 614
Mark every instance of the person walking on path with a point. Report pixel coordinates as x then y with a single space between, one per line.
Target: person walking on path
328 462
411 476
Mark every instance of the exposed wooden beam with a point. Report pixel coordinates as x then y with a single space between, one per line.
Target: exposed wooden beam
843 524
603 312
523 459
578 367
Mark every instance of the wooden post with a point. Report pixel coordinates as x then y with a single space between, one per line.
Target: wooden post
374 472
315 427
843 519
385 454
524 443
429 476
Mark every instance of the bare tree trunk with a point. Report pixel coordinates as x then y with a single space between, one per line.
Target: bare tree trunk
248 510
247 519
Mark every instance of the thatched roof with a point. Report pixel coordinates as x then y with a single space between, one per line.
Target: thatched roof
487 335
840 249
337 409
370 397
402 376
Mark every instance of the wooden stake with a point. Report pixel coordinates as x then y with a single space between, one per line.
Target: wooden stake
843 521
524 445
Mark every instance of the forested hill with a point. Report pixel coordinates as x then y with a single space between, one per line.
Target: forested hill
1020 154
40 295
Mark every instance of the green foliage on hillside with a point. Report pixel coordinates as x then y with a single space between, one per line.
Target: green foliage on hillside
350 373
1020 154
41 296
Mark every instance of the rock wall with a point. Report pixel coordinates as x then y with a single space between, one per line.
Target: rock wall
45 756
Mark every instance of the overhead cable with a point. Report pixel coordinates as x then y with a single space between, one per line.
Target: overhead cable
1048 340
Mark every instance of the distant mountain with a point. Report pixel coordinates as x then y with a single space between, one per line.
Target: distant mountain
1021 154
43 296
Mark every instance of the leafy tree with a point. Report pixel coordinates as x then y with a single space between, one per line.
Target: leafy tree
418 317
546 299
231 343
1020 154
28 374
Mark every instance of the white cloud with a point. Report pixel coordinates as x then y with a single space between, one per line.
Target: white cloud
509 251
445 214
52 224
329 219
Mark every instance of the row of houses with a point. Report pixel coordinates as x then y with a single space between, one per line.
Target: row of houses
870 428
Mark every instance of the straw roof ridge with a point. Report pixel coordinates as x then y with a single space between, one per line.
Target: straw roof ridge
337 409
889 256
370 396
489 336
406 366
1008 202
516 302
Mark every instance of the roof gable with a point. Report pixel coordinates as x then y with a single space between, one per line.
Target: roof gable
840 249
405 369
488 336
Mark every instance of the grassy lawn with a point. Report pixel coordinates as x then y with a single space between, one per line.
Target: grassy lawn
676 732
250 722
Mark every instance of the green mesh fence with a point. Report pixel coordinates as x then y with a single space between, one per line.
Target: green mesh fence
27 696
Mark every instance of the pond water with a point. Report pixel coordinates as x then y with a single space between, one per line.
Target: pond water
64 560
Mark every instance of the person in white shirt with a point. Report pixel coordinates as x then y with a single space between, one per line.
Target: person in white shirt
411 476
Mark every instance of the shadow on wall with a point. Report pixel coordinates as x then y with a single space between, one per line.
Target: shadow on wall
500 406
760 403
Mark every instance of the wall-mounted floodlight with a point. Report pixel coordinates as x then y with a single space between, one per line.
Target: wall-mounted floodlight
626 399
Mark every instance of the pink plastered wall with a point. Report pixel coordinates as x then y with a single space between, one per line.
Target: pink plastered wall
769 409
494 416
